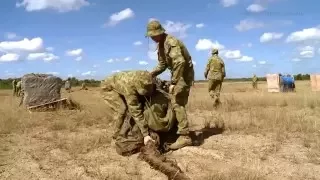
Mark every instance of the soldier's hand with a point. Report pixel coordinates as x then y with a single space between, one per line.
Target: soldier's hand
146 139
171 87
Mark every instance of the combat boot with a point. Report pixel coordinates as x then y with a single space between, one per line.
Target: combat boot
182 141
116 134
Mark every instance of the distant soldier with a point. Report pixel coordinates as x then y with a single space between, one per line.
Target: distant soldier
18 88
124 91
254 82
216 70
67 86
83 86
14 87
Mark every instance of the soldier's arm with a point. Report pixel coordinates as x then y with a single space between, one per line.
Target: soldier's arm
223 69
206 71
161 67
136 111
178 63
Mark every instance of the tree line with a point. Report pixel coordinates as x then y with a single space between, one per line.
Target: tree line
7 83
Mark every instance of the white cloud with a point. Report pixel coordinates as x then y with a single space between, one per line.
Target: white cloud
137 43
307 52
248 24
79 58
269 36
177 28
115 71
110 60
262 62
9 57
194 63
206 44
245 59
120 16
70 75
249 44
201 25
96 65
152 19
304 35
50 49
25 45
255 8
296 59
236 54
58 5
319 51
127 59
74 52
228 3
89 73
254 66
143 63
53 73
11 35
42 56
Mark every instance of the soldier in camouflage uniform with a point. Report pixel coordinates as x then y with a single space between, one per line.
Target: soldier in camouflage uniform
216 70
18 89
255 82
123 91
67 85
14 87
83 86
173 54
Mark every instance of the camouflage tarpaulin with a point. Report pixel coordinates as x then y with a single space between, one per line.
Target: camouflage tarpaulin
40 89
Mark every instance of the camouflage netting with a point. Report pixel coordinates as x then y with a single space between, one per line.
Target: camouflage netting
40 89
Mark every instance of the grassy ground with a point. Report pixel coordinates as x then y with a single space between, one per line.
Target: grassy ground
266 136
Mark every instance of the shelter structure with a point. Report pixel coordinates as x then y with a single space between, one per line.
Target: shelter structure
315 82
280 83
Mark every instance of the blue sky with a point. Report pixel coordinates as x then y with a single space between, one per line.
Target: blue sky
93 38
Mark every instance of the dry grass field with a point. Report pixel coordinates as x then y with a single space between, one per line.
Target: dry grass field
266 136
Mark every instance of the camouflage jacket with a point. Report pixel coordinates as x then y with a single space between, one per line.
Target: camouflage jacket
132 85
173 54
215 68
254 79
18 84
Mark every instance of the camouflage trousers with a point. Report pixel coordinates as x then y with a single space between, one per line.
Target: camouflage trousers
117 104
179 100
14 91
255 85
214 88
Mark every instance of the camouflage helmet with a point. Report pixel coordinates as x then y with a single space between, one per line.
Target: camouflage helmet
154 28
215 51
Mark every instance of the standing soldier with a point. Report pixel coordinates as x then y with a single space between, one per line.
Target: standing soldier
255 82
83 86
173 54
67 86
123 91
18 88
216 70
14 87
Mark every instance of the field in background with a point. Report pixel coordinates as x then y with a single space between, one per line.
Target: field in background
266 136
